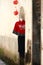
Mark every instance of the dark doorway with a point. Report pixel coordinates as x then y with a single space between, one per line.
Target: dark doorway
36 32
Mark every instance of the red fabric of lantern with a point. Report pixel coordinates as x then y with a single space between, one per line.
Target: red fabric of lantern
16 12
15 2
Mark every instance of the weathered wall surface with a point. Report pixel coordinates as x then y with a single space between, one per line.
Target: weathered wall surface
9 43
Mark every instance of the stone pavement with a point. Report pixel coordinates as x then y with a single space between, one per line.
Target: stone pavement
2 63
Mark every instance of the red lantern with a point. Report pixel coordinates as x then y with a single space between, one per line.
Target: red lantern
16 12
15 2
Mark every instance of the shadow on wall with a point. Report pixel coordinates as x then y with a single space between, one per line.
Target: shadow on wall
28 54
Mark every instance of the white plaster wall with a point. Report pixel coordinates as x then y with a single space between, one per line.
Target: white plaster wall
7 19
41 32
9 43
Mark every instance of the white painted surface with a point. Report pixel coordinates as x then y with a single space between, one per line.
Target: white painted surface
7 19
41 32
41 57
9 43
